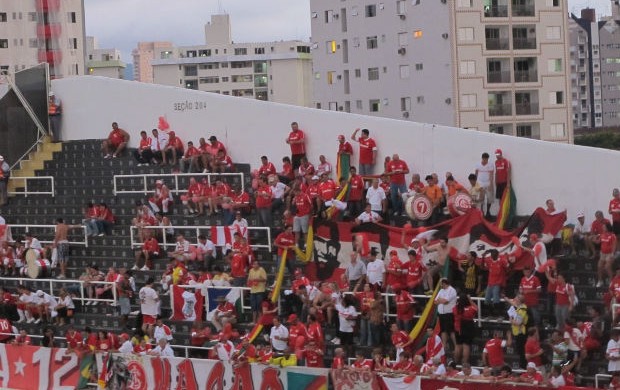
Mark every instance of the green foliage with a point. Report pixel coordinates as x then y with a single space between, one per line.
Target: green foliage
606 140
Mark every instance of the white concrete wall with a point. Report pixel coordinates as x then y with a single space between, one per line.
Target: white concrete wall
578 178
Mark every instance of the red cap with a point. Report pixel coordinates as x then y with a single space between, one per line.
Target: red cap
292 317
498 151
124 336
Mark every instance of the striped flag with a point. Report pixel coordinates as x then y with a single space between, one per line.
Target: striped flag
106 372
507 207
232 295
221 235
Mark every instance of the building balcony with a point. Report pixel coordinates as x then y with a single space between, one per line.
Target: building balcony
524 43
50 56
52 30
526 76
47 5
502 76
497 44
496 11
500 110
523 10
526 109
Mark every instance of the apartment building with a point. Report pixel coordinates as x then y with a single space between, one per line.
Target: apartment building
273 71
142 55
490 65
103 62
36 31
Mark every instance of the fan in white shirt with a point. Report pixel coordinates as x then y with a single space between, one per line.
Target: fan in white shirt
162 349
368 216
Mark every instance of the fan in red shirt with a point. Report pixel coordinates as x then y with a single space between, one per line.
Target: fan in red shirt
22 338
396 169
497 266
286 240
339 360
189 161
404 309
238 269
400 339
315 332
533 351
531 375
91 340
313 355
303 209
608 242
297 140
8 303
368 151
287 175
263 203
356 193
396 271
345 151
464 313
297 335
361 363
245 351
300 280
416 273
493 352
614 210
267 168
193 195
174 149
150 249
115 143
502 173
74 338
222 163
530 288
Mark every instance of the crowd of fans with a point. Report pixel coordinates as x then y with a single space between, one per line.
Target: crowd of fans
549 351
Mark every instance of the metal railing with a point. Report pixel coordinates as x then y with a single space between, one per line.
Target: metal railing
70 286
174 189
607 377
495 11
198 230
497 44
27 192
500 109
27 228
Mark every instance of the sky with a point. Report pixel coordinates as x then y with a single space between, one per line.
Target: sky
121 24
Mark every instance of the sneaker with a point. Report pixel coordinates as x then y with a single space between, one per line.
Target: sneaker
95 303
21 321
61 276
335 341
205 171
135 268
107 156
114 156
37 320
145 268
88 303
599 284
100 234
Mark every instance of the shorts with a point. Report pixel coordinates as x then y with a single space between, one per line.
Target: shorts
125 305
616 228
499 190
446 323
148 319
63 252
256 300
466 335
300 224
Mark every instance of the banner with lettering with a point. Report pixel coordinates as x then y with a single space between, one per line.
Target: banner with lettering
146 372
30 367
354 380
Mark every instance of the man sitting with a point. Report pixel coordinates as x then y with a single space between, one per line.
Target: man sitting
115 143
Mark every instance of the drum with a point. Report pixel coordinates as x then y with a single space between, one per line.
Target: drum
459 204
36 267
419 207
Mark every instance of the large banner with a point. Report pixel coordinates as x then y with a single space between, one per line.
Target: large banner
153 373
29 367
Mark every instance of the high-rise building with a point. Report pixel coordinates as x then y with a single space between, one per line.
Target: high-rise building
490 65
103 62
274 71
36 31
595 69
142 57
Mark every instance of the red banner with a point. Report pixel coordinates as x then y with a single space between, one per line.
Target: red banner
29 367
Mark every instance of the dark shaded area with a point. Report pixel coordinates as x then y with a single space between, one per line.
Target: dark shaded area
606 140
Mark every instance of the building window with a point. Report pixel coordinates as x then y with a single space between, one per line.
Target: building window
402 38
71 17
405 104
225 79
467 67
32 16
2 17
358 73
240 64
554 65
464 3
302 49
4 43
524 131
469 100
259 50
404 71
420 99
358 104
557 130
373 73
165 54
374 105
330 77
401 7
419 66
204 53
466 34
241 51
209 66
554 32
33 43
556 97
417 34
191 84
371 42
329 15
331 47
190 70
371 11
73 43
209 80
242 78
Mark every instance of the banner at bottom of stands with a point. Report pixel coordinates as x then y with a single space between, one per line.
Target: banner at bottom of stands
142 372
30 367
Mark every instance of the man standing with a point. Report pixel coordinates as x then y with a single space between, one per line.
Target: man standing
297 140
368 151
115 143
54 110
375 271
375 196
149 306
5 173
356 193
278 336
446 301
257 279
345 151
355 272
614 210
61 245
485 173
396 169
502 174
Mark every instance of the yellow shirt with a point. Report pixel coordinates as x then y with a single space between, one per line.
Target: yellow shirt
257 287
283 361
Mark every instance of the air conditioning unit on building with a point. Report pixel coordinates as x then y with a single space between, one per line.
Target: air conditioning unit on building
448 100
402 16
336 16
402 51
405 114
444 35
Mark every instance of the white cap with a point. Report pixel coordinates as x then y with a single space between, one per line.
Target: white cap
1 158
315 177
51 93
40 293
531 365
580 215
